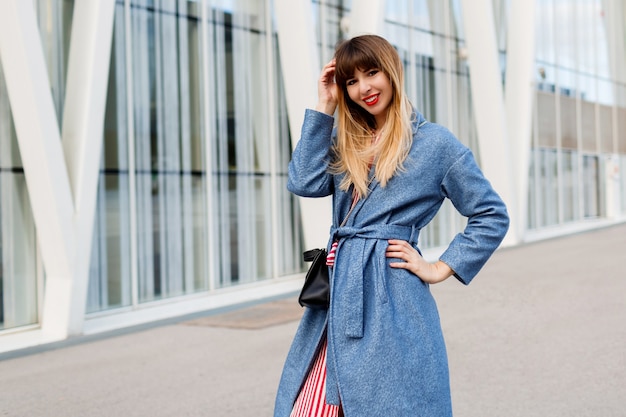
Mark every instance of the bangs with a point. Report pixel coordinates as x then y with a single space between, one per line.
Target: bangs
352 55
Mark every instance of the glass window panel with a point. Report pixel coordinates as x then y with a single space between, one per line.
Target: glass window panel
243 173
603 184
587 87
18 257
569 137
606 129
328 16
55 27
548 186
605 89
580 52
546 120
565 44
110 268
588 126
591 189
544 40
18 263
167 94
569 167
290 240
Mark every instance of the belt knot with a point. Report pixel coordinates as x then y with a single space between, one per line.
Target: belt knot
355 275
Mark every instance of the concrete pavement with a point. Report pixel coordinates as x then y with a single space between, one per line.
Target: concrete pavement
540 332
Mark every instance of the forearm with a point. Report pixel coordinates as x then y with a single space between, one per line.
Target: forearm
308 168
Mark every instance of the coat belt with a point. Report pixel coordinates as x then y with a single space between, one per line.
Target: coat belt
356 271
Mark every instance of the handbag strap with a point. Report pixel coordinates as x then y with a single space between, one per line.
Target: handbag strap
310 255
355 199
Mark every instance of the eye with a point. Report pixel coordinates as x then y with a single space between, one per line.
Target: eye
351 82
372 72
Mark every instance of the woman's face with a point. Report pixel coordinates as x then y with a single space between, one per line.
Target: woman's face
371 89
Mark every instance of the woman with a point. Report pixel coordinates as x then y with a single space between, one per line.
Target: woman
378 350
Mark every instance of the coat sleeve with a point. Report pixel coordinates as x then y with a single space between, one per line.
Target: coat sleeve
308 168
487 218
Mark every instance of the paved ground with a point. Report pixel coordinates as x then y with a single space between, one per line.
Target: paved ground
540 332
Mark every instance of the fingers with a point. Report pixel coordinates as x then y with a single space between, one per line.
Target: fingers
400 249
328 73
330 64
327 89
415 263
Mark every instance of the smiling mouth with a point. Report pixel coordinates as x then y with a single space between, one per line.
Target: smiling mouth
371 100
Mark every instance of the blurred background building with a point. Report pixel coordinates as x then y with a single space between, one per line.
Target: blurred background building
144 143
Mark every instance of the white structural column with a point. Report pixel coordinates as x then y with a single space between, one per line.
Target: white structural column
82 132
299 60
488 102
41 152
519 97
615 16
367 16
62 194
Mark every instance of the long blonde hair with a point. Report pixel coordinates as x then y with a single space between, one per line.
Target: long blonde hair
354 150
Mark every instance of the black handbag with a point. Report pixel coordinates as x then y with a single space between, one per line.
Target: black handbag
316 289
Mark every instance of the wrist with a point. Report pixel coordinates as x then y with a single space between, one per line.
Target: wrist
443 271
325 107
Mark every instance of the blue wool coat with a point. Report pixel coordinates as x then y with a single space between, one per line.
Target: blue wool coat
386 352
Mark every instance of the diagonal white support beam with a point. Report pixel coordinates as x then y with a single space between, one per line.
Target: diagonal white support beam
39 140
83 121
615 17
300 64
488 102
367 16
519 97
62 195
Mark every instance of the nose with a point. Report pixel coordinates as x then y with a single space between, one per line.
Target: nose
364 86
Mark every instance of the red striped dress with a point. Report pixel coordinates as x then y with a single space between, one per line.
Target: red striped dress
311 401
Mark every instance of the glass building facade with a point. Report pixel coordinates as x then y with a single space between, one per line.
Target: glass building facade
579 128
192 193
192 196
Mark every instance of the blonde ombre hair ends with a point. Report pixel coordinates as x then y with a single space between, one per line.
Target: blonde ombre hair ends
354 149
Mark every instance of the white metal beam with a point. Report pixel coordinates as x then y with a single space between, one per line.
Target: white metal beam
519 97
615 19
614 12
39 140
299 60
82 133
63 218
367 17
488 102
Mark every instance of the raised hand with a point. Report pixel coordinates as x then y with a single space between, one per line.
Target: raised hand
327 89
